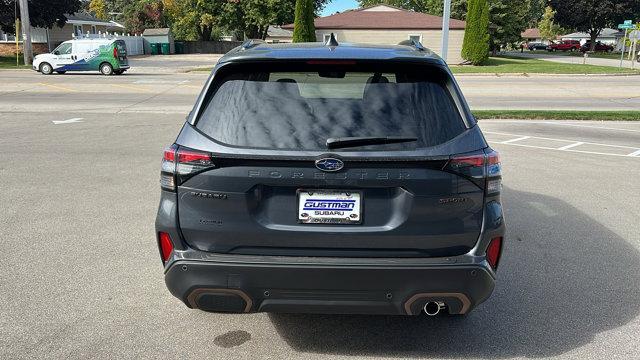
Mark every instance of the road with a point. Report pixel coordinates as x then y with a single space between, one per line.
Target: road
81 275
158 80
577 59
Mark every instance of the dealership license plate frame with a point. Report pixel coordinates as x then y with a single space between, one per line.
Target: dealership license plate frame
306 193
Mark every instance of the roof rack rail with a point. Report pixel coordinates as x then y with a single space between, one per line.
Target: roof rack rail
251 43
415 43
332 41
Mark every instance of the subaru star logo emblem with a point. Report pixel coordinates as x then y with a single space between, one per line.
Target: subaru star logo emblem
329 164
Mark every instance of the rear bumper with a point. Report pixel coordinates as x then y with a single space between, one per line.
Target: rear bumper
233 283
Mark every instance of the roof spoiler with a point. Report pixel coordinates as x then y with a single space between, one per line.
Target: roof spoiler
251 43
414 43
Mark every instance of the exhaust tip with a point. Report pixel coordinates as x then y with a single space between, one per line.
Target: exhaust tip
432 308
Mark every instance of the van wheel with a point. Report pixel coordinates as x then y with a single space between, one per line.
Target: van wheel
46 68
106 69
61 72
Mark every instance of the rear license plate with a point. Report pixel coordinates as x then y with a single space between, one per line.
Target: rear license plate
329 207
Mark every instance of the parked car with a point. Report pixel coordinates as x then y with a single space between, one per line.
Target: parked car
600 47
109 56
564 45
330 179
536 46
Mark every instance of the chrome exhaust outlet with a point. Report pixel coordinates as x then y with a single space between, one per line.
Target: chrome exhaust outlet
432 308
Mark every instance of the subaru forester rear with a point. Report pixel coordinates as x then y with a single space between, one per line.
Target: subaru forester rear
330 179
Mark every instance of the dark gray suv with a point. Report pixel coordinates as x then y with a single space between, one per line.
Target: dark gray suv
326 178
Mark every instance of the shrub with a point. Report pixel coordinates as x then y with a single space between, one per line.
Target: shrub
475 47
303 28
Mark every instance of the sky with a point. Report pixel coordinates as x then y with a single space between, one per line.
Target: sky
339 5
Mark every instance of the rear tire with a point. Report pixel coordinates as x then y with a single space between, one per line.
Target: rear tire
46 68
106 69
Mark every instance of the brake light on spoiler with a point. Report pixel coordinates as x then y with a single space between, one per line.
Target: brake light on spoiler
179 163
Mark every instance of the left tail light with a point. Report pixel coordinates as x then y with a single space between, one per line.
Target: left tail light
179 163
115 52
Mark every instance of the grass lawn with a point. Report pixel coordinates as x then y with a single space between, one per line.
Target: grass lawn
504 65
601 55
558 115
9 62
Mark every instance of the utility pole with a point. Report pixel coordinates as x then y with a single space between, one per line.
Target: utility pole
446 14
26 29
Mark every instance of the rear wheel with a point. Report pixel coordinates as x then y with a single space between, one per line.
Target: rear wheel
106 69
46 68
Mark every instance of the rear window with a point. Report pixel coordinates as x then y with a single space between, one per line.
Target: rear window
121 46
300 110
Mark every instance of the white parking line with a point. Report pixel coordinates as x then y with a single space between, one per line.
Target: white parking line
516 139
555 139
69 121
589 126
570 150
571 145
576 123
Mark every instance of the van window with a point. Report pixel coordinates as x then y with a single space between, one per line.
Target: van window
63 49
300 110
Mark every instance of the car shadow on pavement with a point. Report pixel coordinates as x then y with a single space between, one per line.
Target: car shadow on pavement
564 278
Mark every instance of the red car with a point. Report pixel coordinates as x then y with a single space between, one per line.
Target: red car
564 45
599 47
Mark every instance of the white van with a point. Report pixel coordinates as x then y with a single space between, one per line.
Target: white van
109 56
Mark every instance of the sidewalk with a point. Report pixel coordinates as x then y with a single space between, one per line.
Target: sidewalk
573 59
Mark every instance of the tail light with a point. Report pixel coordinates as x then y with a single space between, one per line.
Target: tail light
493 252
115 52
178 164
481 166
166 245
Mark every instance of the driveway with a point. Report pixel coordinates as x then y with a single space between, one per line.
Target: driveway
574 59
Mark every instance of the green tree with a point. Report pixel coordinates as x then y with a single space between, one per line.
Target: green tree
303 28
475 47
144 14
194 19
99 8
42 13
508 19
549 30
536 11
591 16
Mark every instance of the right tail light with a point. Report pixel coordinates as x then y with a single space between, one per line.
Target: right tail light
478 167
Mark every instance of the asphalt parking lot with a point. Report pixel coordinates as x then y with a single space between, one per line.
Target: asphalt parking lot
81 275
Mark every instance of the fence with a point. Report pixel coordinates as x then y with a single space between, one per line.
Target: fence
209 47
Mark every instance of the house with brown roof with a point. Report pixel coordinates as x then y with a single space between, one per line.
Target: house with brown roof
383 24
533 35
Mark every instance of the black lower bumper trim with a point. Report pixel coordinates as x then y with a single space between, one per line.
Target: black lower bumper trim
315 288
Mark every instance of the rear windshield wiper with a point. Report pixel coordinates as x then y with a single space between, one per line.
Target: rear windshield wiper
346 142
